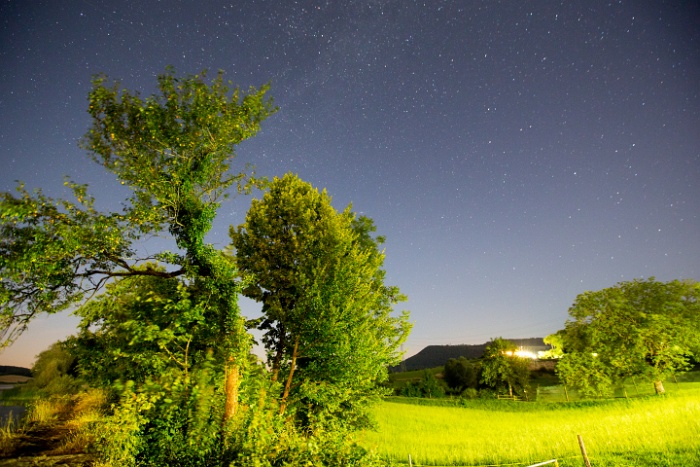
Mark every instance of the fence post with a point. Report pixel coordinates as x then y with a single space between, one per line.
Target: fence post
583 451
410 463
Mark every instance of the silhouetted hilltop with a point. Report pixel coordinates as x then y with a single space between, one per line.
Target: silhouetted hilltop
437 355
14 370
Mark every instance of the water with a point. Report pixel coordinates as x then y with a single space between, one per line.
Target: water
7 411
14 411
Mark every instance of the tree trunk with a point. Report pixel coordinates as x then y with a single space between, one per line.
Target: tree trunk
288 384
277 361
659 387
233 382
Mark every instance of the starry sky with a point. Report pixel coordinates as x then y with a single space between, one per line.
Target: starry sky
513 153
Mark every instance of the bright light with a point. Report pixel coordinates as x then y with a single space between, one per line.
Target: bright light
526 354
521 354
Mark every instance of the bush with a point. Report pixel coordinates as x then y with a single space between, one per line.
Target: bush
54 372
262 439
460 374
429 387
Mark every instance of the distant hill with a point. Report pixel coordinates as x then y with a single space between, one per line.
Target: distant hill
437 355
15 370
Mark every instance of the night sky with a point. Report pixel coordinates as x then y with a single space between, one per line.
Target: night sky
514 154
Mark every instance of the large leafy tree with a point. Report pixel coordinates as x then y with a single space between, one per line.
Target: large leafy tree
173 150
641 327
327 314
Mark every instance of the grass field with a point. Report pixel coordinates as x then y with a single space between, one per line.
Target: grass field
646 431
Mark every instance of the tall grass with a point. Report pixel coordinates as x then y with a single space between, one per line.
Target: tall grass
45 411
8 435
73 418
632 432
86 411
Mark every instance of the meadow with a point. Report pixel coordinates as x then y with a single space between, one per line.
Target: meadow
640 431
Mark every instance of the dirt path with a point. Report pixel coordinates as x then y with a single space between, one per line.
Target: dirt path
37 446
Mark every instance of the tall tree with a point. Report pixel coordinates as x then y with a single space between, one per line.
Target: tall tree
642 327
327 317
174 151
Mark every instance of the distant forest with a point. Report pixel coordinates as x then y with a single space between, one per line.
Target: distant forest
437 355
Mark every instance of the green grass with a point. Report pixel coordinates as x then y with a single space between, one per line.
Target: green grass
400 379
646 431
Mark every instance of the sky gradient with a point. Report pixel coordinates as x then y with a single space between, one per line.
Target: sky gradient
514 154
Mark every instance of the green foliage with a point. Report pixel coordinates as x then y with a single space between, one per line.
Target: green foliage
48 251
461 374
501 368
175 420
327 321
54 372
267 440
428 387
171 328
165 334
587 373
174 149
638 328
141 327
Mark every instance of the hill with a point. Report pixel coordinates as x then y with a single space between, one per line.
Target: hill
437 355
15 370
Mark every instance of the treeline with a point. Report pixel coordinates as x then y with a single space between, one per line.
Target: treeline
497 372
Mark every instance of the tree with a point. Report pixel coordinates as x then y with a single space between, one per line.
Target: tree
327 318
641 327
173 150
501 367
460 374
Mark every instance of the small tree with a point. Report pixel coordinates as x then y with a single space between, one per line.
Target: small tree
501 367
642 327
